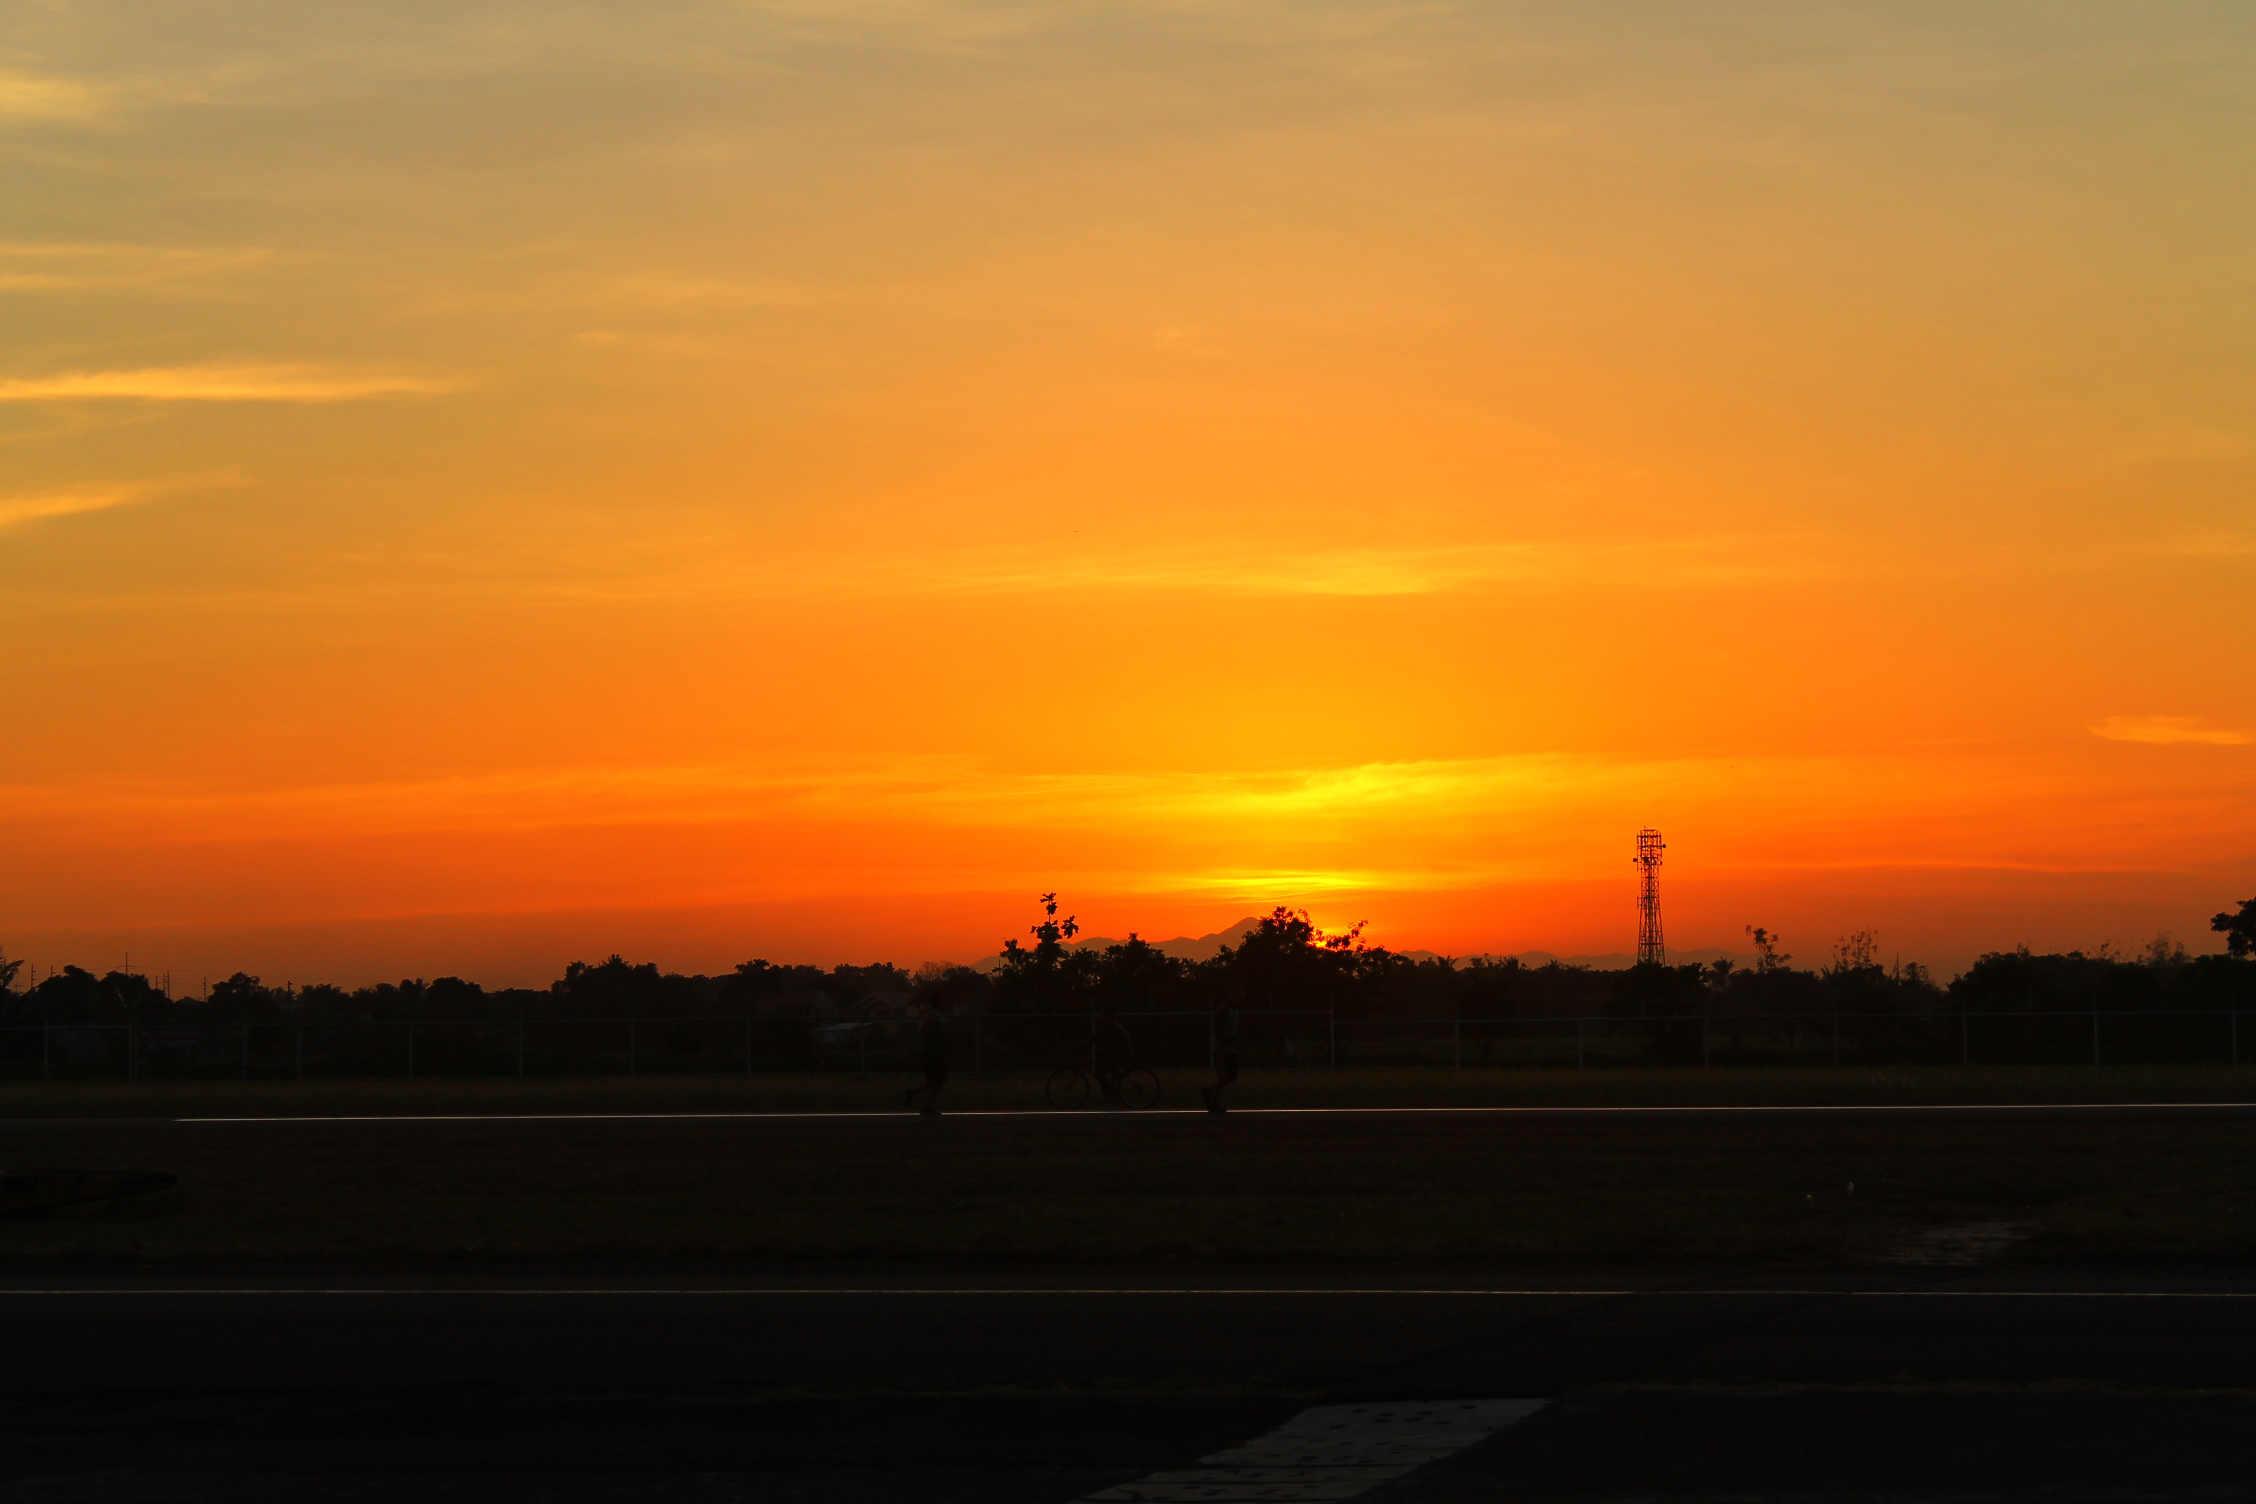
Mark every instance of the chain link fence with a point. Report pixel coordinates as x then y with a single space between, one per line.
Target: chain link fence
992 1044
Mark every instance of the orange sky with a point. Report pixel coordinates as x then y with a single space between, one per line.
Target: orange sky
481 486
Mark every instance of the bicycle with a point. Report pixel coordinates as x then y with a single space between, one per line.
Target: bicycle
1068 1088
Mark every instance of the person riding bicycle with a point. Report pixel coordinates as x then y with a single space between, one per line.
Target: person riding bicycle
1110 1052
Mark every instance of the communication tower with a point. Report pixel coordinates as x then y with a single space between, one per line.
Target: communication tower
1648 864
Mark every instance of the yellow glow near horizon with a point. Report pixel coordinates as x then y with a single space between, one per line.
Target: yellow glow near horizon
759 477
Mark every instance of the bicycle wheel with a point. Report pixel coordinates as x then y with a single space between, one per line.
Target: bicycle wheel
1139 1088
1067 1090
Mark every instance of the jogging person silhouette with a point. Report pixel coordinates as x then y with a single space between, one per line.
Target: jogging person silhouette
935 1036
1225 1023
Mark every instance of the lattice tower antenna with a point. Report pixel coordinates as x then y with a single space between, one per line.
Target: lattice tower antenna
1648 864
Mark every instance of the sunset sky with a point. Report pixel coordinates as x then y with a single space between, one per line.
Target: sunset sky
488 484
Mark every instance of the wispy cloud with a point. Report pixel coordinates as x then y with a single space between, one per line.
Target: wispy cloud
1372 571
35 96
960 824
37 266
2167 730
102 496
16 510
2182 441
222 383
2209 545
951 790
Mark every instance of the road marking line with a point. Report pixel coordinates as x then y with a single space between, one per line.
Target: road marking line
1327 1454
1167 1112
678 1292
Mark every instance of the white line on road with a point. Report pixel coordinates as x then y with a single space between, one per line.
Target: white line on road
676 1292
1171 1112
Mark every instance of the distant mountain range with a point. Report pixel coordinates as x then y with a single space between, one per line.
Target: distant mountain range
1613 960
1183 947
1205 947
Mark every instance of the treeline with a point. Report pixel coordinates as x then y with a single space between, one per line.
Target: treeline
1285 964
605 990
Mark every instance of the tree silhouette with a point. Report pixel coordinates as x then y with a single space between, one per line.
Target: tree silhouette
1047 978
2238 929
1767 958
1854 952
1285 961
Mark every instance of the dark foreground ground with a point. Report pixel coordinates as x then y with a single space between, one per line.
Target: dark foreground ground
2015 1304
2084 1184
1033 1386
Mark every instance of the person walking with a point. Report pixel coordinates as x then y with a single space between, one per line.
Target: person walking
934 1031
1225 1024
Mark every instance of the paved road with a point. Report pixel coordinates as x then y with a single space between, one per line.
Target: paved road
1931 1112
35 1131
949 1383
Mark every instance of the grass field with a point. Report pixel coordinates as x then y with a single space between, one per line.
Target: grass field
1110 1186
1760 1086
